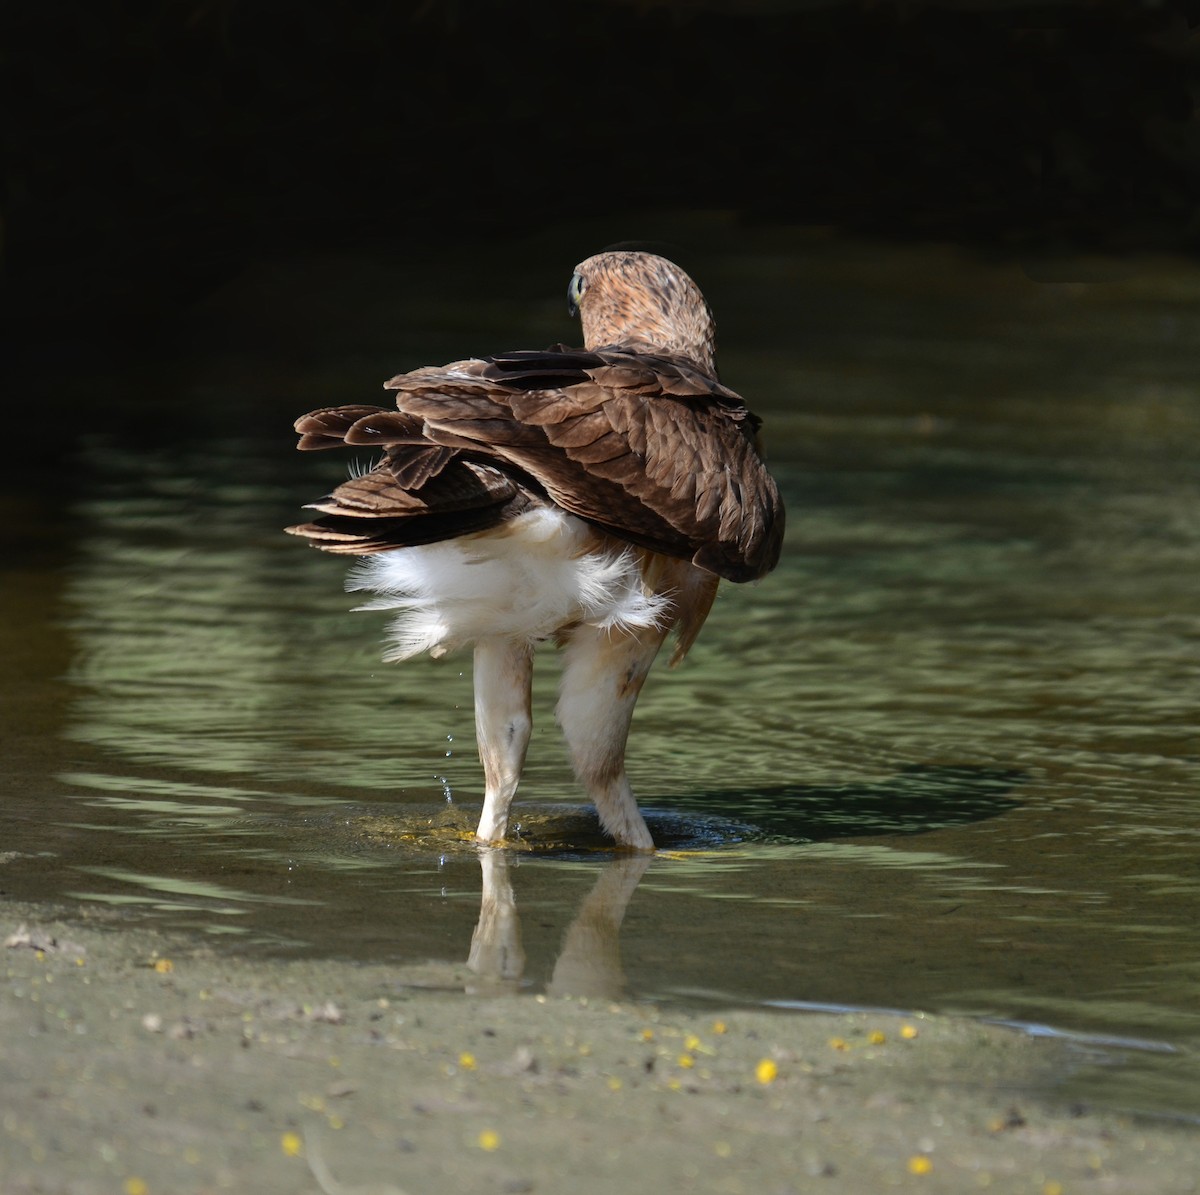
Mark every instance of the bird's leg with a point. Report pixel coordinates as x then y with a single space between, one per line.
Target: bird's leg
603 673
503 689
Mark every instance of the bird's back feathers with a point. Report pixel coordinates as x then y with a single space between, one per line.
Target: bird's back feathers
649 448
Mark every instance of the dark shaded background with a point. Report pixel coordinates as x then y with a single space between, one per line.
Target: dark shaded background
151 150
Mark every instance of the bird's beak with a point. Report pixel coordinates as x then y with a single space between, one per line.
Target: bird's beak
574 294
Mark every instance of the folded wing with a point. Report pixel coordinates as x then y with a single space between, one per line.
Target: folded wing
650 449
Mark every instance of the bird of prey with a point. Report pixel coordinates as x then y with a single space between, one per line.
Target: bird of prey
593 497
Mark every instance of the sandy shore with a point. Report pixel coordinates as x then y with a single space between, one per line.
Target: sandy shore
135 1064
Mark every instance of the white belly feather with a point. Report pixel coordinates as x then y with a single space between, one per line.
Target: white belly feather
536 574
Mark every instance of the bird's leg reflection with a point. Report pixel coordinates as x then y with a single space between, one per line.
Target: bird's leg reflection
496 950
589 963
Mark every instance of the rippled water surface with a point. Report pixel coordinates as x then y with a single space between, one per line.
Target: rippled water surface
945 758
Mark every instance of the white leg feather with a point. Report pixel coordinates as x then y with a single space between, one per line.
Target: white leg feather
603 673
544 575
503 690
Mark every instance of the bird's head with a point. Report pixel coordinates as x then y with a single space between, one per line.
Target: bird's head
644 302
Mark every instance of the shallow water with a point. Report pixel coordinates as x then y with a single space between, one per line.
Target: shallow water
945 758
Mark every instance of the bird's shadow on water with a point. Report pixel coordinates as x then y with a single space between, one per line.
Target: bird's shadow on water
917 800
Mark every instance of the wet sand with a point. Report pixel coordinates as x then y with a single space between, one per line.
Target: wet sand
136 1063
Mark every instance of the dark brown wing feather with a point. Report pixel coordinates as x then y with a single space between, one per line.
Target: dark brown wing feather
649 448
373 513
327 428
418 493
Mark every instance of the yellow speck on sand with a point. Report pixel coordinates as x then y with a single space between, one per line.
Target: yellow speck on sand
1052 1187
686 1061
614 1084
291 1145
720 1027
164 966
908 1032
466 1061
647 1034
838 1043
766 1071
135 1186
691 1042
876 1037
919 1164
489 1139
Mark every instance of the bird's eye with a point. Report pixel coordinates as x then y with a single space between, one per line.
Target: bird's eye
575 293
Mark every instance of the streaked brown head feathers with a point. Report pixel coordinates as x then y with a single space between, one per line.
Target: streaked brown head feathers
645 303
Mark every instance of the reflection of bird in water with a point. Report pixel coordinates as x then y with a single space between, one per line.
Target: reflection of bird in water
594 497
589 960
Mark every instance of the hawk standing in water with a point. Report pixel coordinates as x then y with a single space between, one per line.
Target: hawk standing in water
592 496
